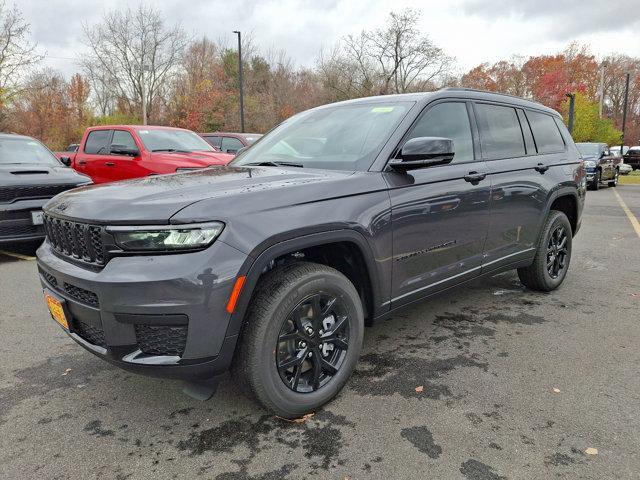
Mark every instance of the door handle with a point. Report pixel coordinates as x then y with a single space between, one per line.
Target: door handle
110 164
82 162
541 167
475 177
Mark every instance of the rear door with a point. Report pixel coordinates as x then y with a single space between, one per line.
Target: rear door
439 219
95 152
521 171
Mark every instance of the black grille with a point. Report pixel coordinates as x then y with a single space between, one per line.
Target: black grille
76 240
91 334
21 192
20 230
161 340
51 280
82 295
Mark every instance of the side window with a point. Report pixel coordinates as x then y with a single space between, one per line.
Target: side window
97 142
120 137
500 133
545 132
448 120
526 133
231 143
213 141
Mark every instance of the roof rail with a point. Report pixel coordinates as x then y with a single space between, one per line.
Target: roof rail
465 89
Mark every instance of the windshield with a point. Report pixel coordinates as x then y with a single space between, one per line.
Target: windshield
343 137
25 150
588 149
159 140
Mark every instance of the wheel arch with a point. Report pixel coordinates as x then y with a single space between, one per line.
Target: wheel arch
566 201
263 257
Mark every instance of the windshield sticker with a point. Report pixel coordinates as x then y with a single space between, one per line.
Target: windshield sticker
143 132
382 109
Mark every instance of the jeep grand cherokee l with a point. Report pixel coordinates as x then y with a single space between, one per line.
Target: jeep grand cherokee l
338 217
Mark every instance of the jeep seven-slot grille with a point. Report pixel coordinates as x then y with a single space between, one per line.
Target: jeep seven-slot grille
22 192
161 339
76 240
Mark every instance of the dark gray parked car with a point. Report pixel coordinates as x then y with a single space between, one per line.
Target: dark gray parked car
273 265
29 176
600 164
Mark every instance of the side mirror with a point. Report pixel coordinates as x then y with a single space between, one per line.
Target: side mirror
421 152
124 150
66 161
241 150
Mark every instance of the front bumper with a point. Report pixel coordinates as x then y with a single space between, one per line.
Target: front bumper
159 315
16 224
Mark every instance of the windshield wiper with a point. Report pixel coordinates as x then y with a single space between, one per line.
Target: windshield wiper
275 164
171 150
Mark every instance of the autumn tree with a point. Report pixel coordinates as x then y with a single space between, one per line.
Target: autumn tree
137 54
588 126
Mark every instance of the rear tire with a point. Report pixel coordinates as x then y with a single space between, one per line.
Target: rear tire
283 300
614 182
550 264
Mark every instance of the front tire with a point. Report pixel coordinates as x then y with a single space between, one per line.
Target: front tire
301 338
553 255
595 185
614 182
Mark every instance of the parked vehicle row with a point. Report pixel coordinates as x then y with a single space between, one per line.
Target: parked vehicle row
600 163
338 217
119 152
230 142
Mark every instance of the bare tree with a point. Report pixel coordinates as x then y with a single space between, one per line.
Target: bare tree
136 54
394 59
17 54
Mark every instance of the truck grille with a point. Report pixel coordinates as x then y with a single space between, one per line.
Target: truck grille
76 240
22 192
161 339
20 230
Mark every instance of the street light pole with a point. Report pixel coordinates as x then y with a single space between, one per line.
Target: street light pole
240 82
601 89
624 112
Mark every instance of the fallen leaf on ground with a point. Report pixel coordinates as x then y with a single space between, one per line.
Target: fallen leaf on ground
556 390
591 451
66 372
302 419
420 388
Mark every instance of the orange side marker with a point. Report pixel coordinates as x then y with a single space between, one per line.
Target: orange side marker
235 293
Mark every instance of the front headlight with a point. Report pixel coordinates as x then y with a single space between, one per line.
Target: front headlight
589 163
166 237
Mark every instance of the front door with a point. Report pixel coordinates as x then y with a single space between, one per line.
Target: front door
122 167
440 214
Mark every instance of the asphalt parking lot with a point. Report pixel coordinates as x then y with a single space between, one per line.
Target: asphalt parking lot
489 381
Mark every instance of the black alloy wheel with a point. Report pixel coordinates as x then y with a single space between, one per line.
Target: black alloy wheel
557 252
313 342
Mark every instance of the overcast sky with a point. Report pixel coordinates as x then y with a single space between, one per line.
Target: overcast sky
473 31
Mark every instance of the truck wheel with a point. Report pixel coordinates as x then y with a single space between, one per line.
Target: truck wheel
301 338
614 182
553 255
595 185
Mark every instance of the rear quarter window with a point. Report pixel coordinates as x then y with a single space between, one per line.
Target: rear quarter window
545 132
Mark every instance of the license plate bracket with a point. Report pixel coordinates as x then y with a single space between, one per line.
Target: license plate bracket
36 217
57 309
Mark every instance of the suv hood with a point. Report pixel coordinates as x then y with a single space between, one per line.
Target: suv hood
39 174
228 191
193 159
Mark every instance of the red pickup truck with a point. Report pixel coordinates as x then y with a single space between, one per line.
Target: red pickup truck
118 152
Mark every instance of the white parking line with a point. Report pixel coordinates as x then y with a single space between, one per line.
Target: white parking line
632 218
19 256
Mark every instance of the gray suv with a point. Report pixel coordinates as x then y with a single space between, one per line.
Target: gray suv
343 214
